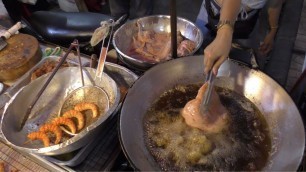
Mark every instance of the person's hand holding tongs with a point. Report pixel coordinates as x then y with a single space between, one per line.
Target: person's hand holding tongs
215 54
218 50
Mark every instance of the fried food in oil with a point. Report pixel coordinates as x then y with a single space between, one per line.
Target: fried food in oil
76 114
54 129
40 136
88 106
65 121
214 120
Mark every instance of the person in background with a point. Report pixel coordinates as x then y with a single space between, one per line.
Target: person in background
133 8
274 11
233 19
17 9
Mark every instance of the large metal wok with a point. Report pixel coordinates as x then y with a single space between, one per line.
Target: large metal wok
285 123
48 106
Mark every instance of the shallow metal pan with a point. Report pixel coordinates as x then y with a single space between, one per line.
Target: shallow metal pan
65 80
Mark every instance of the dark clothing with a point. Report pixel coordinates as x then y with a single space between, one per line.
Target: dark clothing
133 8
17 9
243 27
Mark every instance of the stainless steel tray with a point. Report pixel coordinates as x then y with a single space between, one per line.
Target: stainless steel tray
124 78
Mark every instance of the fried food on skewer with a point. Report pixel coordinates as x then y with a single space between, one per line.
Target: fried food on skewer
65 121
40 136
76 114
88 106
54 129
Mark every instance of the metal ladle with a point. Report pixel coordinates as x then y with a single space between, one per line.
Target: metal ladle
91 93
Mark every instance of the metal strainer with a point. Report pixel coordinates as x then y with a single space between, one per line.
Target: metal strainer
90 93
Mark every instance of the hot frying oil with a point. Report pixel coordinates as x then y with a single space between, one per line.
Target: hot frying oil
245 145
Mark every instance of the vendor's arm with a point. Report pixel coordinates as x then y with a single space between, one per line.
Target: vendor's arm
217 52
274 9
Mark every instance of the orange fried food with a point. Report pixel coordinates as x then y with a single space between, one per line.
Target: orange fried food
214 120
65 121
2 167
40 136
76 114
54 129
88 106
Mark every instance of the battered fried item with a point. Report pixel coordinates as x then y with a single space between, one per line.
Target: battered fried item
78 115
88 106
40 136
54 129
2 167
65 121
214 120
47 67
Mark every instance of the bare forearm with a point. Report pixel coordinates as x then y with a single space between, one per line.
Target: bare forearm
274 9
217 52
230 9
229 12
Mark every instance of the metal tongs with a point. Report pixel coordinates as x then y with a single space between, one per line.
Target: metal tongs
75 45
210 77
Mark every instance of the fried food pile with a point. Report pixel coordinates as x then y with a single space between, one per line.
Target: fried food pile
214 120
47 67
156 47
65 120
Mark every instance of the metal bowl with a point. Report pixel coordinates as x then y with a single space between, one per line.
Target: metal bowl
159 23
47 107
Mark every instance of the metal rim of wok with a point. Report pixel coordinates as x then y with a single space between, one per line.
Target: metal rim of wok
185 26
284 120
8 126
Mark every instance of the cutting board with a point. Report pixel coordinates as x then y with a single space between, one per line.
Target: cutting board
20 55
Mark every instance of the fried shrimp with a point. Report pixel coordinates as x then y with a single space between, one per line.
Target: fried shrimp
40 136
87 106
2 167
54 129
65 121
76 114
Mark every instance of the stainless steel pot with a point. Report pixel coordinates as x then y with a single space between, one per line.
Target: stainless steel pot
159 23
285 123
47 107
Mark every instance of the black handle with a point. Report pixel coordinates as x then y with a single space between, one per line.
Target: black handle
173 23
244 56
